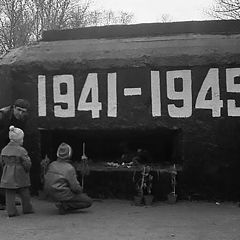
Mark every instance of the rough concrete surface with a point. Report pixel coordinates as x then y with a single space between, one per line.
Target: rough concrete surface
118 219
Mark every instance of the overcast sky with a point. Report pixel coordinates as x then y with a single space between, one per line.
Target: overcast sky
152 10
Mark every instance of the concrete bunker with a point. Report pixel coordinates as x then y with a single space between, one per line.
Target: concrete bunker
146 79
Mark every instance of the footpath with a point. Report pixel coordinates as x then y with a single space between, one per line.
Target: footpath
120 220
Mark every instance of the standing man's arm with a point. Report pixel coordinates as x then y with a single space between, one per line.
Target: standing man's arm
3 130
32 145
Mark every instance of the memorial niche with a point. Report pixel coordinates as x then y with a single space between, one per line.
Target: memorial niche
161 146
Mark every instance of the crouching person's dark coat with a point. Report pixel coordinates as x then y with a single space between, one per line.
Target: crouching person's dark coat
61 180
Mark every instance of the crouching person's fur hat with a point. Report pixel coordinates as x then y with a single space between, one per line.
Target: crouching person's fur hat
64 151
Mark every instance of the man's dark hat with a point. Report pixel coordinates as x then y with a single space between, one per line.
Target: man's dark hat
22 103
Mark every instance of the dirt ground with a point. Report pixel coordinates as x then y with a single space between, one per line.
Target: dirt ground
119 219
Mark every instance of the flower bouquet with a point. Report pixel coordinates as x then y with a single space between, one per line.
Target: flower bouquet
172 196
144 187
84 168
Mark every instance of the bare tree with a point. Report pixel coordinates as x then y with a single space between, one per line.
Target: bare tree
50 14
82 15
109 17
94 18
125 17
23 21
16 23
225 9
165 18
79 15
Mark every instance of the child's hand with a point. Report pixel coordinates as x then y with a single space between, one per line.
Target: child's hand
84 157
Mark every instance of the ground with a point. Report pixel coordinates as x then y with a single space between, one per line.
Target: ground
119 219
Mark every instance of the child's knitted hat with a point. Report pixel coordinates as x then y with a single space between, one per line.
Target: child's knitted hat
16 134
64 151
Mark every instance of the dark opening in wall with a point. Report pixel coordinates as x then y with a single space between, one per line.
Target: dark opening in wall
162 145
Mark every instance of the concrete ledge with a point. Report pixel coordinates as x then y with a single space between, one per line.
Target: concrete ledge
183 50
145 30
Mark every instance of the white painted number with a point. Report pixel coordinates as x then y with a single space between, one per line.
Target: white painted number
185 95
42 112
90 87
231 74
181 105
155 91
132 91
211 82
112 95
66 97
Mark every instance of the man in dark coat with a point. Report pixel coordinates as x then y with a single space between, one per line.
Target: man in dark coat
18 116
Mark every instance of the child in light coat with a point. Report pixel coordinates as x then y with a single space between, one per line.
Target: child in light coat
15 177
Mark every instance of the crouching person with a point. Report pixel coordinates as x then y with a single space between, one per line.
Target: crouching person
61 184
15 177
